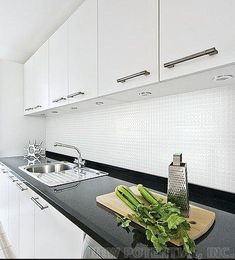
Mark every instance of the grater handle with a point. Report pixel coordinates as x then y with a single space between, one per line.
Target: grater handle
177 159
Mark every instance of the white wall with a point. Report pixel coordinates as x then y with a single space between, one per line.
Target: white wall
15 129
144 135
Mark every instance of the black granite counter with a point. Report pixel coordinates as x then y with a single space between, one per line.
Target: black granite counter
78 203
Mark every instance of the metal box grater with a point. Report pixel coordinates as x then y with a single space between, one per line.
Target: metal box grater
177 190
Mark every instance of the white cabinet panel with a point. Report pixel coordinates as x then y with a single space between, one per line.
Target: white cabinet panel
29 95
4 199
58 66
41 77
83 52
35 232
189 27
36 81
14 215
127 42
26 238
55 235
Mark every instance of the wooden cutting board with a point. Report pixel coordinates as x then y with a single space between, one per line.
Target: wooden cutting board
200 219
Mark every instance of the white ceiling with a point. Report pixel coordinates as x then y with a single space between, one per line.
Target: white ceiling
26 24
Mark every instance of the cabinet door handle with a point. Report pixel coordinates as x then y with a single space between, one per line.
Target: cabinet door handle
210 52
141 73
38 106
12 178
75 94
35 200
58 99
28 109
20 187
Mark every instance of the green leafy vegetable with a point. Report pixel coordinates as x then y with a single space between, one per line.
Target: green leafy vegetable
174 221
162 221
124 222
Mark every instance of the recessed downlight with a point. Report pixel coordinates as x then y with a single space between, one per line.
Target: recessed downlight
99 103
145 93
223 77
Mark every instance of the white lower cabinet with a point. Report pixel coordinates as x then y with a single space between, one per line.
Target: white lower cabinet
55 235
26 239
4 200
35 229
14 215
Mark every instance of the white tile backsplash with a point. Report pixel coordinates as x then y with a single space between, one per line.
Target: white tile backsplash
144 135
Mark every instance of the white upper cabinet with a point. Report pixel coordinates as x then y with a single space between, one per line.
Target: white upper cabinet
128 44
110 46
41 78
58 67
191 27
36 81
29 94
83 52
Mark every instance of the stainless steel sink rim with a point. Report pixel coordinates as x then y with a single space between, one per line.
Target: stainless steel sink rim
59 173
49 167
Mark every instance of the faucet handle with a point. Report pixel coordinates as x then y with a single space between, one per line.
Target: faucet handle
83 162
76 161
80 163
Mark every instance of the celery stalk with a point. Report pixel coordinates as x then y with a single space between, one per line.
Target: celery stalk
126 201
147 195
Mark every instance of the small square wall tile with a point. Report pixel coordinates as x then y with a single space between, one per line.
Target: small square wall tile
144 135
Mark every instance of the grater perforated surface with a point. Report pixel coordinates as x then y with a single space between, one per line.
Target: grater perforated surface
177 191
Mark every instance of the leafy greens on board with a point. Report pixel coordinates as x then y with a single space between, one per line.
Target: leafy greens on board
162 221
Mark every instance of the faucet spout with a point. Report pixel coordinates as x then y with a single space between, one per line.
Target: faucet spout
79 161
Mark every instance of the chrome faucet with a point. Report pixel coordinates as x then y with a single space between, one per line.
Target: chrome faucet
79 161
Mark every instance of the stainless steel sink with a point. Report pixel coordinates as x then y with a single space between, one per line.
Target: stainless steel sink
47 168
59 173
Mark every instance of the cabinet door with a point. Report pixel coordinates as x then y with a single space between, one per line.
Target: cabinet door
55 235
14 215
29 86
83 52
26 237
189 27
58 66
40 78
4 199
128 44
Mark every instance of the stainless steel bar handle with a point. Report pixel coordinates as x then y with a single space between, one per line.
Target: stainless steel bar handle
27 109
141 73
75 94
20 187
210 52
38 106
58 99
35 200
13 178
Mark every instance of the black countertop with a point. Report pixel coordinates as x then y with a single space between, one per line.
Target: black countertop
79 205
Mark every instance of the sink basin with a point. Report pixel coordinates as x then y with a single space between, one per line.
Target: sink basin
59 173
47 168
